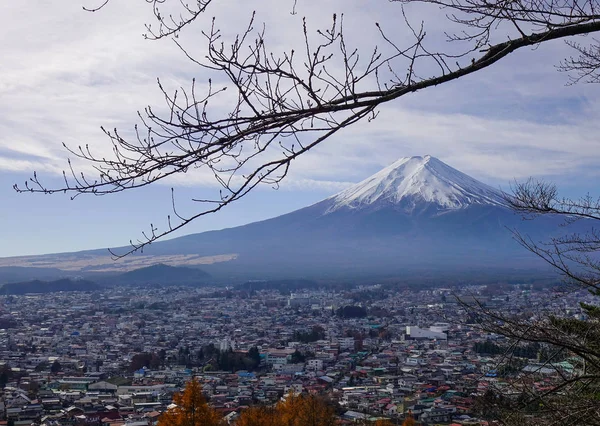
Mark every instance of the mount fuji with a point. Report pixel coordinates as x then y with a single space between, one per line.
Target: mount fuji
415 184
418 214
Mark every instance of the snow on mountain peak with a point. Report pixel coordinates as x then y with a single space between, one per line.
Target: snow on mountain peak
416 182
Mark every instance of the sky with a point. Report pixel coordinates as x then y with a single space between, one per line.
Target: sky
66 72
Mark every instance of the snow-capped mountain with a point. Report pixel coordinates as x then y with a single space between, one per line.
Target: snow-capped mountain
418 214
414 181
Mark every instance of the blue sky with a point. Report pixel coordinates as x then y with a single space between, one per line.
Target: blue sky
66 72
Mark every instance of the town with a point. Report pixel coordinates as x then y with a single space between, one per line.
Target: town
116 356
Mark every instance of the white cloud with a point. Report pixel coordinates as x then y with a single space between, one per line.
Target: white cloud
66 72
491 149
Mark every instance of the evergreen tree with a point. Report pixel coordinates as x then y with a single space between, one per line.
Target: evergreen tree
5 375
571 389
254 356
55 367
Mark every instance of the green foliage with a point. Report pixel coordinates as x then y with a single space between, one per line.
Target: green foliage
150 360
234 361
316 333
490 405
529 350
45 365
351 311
298 357
254 355
55 367
511 367
566 351
6 375
209 350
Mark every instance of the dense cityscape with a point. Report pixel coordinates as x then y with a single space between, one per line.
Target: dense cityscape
117 356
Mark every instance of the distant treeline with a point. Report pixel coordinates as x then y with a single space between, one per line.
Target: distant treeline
530 350
208 357
155 276
316 333
351 311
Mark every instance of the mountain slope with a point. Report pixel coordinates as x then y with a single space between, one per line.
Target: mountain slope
11 274
418 214
414 181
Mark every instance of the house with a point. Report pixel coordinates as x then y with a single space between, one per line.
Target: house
314 364
103 387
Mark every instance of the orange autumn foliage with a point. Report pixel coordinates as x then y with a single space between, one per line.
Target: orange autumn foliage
258 416
296 410
299 410
383 423
409 420
192 409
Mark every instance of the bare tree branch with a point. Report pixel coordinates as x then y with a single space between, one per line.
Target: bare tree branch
569 397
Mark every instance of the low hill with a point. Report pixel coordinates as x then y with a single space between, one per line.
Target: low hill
163 275
38 286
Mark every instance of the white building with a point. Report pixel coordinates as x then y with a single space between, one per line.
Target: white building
297 300
278 357
440 327
346 343
314 364
226 344
288 368
414 332
295 389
